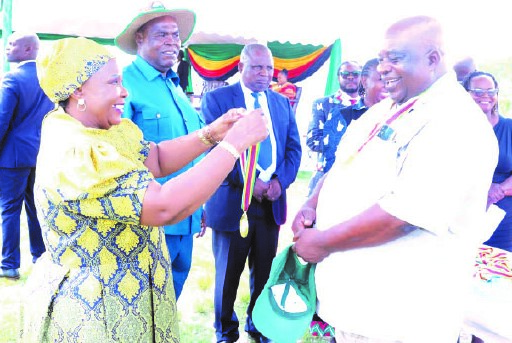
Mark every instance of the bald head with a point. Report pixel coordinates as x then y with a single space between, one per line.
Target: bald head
422 32
412 58
22 46
464 67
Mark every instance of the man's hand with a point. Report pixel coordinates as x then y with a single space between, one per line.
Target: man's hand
260 189
304 219
274 190
308 245
203 225
495 194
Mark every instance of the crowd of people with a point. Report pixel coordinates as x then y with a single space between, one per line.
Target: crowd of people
118 173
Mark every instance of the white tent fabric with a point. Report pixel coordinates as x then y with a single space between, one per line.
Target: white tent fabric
470 31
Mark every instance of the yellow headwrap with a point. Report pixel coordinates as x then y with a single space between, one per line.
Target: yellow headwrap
69 63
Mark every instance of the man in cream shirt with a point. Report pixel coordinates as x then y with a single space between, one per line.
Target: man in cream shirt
403 209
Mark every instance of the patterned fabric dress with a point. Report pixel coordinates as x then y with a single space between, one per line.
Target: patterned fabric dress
105 278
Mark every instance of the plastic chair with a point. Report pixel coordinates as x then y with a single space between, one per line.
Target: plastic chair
295 101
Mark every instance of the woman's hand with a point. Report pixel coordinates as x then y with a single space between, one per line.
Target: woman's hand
250 129
221 125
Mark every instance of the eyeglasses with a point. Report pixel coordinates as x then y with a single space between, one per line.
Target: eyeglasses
346 74
482 92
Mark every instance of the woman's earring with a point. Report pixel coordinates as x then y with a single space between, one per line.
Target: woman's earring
81 105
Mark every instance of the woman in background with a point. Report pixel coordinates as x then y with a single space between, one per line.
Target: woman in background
488 314
283 86
483 87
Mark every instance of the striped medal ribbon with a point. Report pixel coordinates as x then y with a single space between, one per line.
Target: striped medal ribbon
248 165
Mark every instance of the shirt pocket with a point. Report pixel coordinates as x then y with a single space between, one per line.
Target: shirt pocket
156 126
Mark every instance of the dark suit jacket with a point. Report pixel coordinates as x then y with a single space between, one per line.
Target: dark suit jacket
23 106
183 71
223 209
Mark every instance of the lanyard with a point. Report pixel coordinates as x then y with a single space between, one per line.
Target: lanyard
248 165
380 127
248 162
384 129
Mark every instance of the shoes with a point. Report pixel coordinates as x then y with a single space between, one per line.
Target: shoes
228 339
259 338
9 273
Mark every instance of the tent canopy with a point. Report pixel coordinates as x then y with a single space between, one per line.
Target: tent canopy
213 50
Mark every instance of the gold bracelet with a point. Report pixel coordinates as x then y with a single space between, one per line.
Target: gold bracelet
203 139
209 136
229 148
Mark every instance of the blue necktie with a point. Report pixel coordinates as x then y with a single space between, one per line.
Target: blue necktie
265 156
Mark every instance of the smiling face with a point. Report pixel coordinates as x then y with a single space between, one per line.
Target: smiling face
158 42
410 60
374 87
104 97
484 91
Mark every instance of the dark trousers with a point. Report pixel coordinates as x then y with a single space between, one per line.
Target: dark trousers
16 188
231 252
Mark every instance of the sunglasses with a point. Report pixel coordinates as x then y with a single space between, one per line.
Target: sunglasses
482 92
346 74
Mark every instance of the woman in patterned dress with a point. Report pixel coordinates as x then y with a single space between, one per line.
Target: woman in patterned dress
106 276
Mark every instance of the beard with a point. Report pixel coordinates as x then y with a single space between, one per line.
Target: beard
349 89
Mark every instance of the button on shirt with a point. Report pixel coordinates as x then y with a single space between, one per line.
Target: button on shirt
265 175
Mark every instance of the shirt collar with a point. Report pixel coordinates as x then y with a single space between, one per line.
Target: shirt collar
247 91
25 62
359 105
150 73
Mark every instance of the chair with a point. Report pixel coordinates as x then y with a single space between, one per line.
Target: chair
295 101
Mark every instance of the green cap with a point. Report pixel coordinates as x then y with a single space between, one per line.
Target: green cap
285 307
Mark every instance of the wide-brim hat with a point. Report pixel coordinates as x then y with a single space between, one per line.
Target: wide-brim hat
284 309
185 18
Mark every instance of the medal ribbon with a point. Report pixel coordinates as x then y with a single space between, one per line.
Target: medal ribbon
248 164
391 119
379 126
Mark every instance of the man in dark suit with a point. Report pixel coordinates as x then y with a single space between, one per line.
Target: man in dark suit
183 71
277 168
22 108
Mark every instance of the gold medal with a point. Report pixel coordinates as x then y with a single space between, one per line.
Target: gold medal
244 225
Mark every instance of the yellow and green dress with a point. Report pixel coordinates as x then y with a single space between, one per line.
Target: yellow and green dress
105 277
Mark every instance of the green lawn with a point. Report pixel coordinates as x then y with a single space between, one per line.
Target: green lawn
196 302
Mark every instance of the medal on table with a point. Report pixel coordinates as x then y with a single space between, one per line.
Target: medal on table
248 166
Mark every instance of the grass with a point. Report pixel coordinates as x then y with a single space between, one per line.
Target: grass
196 302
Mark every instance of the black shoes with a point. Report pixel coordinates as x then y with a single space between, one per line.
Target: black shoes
259 338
